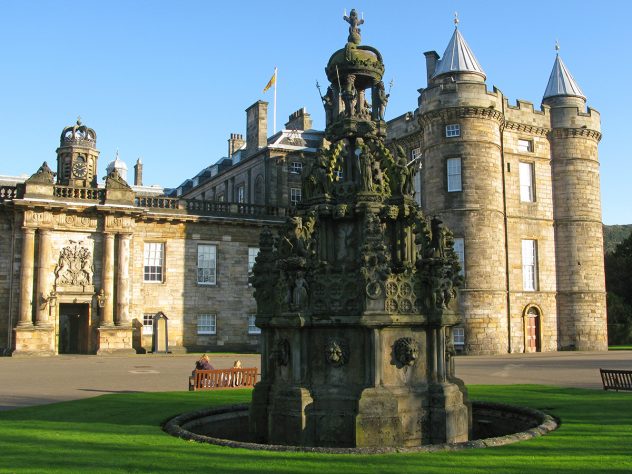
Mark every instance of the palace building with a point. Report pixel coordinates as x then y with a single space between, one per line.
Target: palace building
98 268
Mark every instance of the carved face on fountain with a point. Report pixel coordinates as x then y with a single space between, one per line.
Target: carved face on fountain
406 351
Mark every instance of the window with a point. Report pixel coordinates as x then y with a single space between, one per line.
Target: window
529 265
252 256
296 167
526 182
459 250
241 194
454 174
295 196
453 130
152 259
415 154
220 197
525 146
252 329
458 336
207 324
206 264
148 324
338 173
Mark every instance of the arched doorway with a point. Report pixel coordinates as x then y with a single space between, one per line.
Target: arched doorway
532 329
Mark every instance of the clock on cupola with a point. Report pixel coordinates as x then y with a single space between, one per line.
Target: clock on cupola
77 157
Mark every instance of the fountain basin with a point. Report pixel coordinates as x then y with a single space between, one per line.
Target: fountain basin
494 424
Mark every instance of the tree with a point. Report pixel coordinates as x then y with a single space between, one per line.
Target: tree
618 267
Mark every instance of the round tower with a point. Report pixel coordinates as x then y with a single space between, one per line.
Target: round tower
575 134
462 184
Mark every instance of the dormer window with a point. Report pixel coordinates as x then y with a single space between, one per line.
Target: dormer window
453 130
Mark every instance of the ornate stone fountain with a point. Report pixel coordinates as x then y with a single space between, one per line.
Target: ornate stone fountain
356 295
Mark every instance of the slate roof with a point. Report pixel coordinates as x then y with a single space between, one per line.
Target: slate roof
458 57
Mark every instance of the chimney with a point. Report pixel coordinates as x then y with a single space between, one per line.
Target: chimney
138 173
299 120
431 63
235 142
256 127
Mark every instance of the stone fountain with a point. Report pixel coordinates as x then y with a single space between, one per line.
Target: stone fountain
356 294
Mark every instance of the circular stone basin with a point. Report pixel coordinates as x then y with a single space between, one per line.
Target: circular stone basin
494 424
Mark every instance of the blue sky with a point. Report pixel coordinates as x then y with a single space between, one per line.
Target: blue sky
169 81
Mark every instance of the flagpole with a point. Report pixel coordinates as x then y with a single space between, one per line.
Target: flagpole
274 113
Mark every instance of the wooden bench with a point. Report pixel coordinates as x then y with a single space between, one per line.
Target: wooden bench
616 379
222 378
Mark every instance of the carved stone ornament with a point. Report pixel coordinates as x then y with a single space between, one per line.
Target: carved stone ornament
74 267
44 175
281 352
406 351
115 181
337 352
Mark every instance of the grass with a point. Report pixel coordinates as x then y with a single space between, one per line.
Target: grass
620 348
121 433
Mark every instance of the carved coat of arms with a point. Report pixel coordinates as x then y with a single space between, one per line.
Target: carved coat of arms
74 267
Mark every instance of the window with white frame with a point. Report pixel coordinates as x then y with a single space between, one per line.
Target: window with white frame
252 328
453 130
148 324
295 196
207 324
415 153
526 171
206 264
241 194
459 250
252 258
458 336
296 167
529 265
152 262
453 166
525 146
338 173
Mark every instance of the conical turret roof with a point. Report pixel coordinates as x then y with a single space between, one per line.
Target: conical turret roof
561 82
458 57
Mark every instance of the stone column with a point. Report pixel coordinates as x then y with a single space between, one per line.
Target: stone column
122 285
26 278
42 308
107 312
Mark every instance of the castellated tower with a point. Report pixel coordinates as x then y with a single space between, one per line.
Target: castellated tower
463 183
575 134
519 187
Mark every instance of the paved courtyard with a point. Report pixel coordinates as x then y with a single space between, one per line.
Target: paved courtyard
33 381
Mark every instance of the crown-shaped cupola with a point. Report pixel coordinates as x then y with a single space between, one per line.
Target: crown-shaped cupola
77 156
561 83
459 59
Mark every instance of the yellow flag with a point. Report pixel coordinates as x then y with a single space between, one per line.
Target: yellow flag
271 82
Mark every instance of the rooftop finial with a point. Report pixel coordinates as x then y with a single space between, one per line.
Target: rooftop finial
78 119
456 19
557 46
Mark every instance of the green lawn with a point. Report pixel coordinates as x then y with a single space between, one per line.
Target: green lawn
620 348
121 433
